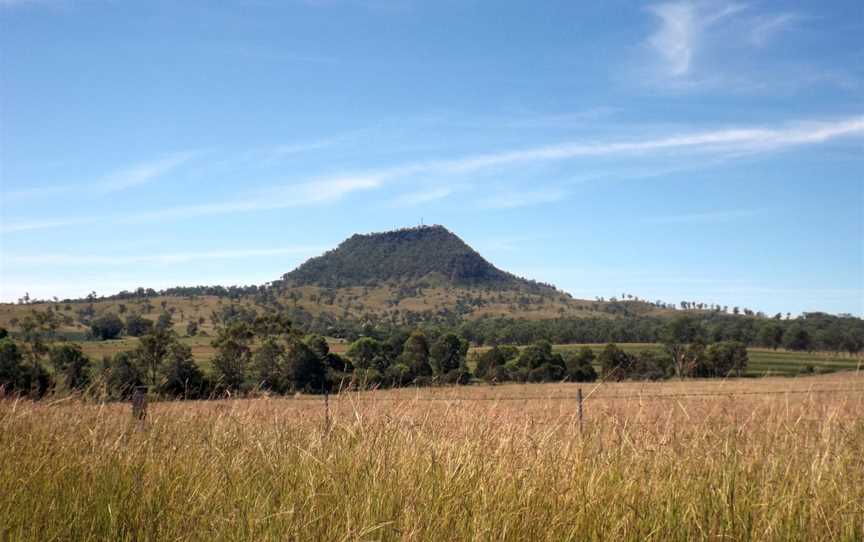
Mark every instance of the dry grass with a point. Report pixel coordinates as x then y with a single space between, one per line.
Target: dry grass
671 461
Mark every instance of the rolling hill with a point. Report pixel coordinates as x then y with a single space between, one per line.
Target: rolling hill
404 276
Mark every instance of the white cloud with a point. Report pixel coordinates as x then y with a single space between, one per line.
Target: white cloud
143 173
29 225
295 195
674 40
728 140
681 28
706 145
700 44
130 177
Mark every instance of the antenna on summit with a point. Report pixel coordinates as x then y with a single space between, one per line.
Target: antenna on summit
421 220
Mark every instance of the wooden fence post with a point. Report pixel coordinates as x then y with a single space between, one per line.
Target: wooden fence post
579 398
326 411
139 403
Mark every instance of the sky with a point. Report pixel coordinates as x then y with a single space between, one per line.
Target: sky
698 151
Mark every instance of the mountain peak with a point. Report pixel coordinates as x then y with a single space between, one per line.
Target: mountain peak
403 256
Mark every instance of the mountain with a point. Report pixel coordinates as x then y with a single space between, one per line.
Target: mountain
430 254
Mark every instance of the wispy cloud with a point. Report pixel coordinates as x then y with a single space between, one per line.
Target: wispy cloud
708 44
279 152
704 218
294 195
766 27
123 179
523 198
143 173
674 39
168 258
422 196
681 27
706 145
19 3
726 140
283 197
29 225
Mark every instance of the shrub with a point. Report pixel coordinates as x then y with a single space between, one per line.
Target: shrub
137 325
181 375
72 365
580 366
107 326
123 376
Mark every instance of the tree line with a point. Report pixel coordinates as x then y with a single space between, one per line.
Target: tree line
270 354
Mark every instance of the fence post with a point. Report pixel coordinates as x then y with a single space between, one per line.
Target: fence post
579 398
326 411
139 403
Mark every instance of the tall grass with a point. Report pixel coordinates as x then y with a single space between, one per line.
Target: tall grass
396 465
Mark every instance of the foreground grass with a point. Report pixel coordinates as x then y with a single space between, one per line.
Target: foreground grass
767 459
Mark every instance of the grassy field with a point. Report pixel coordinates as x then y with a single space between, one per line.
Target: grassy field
764 459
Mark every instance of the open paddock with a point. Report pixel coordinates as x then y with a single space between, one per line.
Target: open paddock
761 459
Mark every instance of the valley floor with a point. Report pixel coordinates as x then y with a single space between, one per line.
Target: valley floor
760 459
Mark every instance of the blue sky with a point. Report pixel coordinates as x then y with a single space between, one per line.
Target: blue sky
707 151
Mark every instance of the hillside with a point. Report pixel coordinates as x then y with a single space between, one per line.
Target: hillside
402 277
412 255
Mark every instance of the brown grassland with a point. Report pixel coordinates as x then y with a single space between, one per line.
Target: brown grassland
748 459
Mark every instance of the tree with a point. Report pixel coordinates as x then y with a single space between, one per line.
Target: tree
770 336
304 370
366 353
491 360
415 354
108 326
232 354
123 375
797 338
11 366
192 328
38 330
723 359
181 376
535 355
70 362
580 366
677 336
268 361
318 344
448 353
151 353
137 325
541 363
614 362
164 322
266 326
649 365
